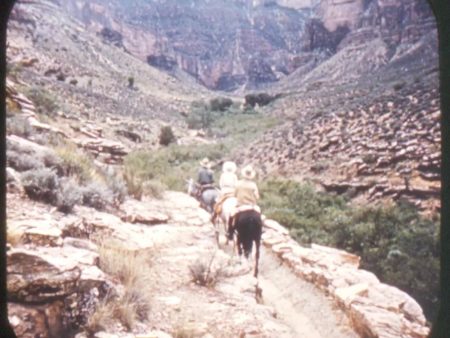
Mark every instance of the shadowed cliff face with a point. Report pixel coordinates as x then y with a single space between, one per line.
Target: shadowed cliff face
244 44
224 46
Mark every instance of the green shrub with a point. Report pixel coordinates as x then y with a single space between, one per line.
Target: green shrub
116 185
41 185
166 136
130 82
69 195
45 102
24 156
220 104
394 241
19 125
76 163
97 195
200 116
22 162
261 99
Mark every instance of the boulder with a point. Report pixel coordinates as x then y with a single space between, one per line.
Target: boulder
41 275
43 231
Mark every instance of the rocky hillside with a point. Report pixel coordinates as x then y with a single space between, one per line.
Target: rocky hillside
246 44
368 127
54 56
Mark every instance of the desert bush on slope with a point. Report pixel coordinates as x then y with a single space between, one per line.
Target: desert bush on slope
133 270
166 136
393 240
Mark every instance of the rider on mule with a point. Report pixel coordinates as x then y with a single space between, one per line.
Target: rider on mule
205 177
227 184
247 194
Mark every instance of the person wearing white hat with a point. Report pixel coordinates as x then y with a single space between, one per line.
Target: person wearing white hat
227 184
228 179
246 191
247 194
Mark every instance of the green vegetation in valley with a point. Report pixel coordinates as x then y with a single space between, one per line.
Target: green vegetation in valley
151 172
393 240
170 166
229 121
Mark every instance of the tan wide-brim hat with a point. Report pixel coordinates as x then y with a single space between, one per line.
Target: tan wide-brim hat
248 172
229 167
205 163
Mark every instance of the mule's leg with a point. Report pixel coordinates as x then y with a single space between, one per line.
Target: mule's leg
239 244
257 245
230 229
248 248
225 221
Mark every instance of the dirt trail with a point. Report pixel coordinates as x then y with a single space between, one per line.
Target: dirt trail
299 304
290 307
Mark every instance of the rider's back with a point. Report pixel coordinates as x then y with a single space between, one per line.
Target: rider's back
205 176
228 182
246 192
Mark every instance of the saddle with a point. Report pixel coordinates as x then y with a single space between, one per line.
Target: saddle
204 187
243 208
219 203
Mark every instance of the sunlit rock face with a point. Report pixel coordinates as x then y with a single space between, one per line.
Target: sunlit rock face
243 43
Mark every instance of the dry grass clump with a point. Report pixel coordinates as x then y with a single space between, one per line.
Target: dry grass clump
133 270
203 274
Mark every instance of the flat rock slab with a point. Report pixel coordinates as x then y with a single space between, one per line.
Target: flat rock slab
142 212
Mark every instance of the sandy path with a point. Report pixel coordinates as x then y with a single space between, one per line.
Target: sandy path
290 308
299 304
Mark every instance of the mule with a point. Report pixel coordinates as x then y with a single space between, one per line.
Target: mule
248 227
227 208
208 197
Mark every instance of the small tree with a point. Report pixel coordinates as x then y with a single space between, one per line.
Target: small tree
130 82
166 136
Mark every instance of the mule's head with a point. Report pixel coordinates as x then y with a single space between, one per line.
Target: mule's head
191 187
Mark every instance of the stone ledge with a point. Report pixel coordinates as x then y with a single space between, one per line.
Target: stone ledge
375 309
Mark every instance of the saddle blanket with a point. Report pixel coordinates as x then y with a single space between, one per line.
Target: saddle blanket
245 208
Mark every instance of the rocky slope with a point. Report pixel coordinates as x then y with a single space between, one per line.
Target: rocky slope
51 52
369 127
246 44
226 47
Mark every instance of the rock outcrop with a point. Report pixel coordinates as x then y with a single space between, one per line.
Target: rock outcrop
375 309
375 137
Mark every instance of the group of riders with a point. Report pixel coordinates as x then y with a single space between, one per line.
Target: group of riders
244 190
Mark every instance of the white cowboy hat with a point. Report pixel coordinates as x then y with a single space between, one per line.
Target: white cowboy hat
205 163
248 172
229 167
